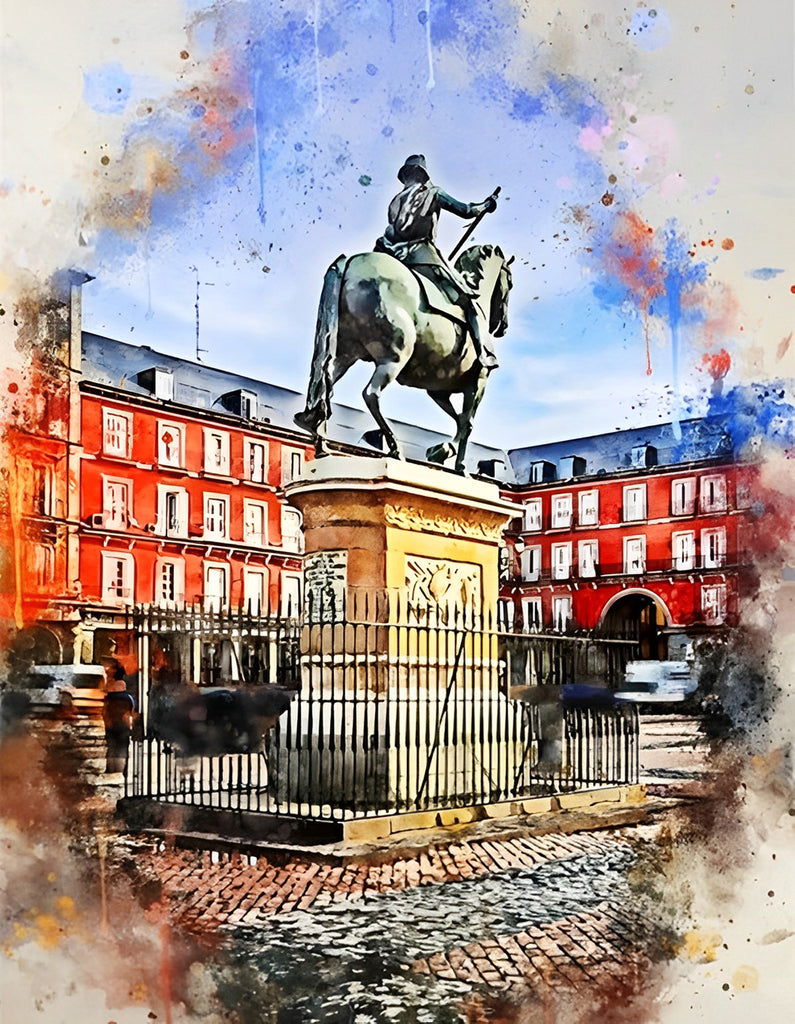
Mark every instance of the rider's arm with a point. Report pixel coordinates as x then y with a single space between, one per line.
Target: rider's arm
467 210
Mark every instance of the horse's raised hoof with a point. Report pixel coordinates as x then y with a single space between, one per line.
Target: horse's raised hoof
440 453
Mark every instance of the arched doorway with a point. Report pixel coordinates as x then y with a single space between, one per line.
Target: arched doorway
641 616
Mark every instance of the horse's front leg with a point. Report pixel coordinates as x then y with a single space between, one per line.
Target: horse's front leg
472 399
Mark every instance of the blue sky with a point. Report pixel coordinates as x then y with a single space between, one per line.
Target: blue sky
256 141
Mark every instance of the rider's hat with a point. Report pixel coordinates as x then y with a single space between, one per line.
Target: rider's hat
414 166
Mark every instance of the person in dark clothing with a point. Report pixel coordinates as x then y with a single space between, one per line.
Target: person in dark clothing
118 716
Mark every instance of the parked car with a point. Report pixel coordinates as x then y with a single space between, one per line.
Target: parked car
657 682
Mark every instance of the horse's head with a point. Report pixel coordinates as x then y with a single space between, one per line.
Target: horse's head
489 272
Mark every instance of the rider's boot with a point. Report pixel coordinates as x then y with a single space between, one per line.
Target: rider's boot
486 356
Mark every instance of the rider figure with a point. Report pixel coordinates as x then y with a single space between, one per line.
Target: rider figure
411 237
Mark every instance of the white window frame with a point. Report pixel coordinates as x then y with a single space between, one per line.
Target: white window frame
289 472
45 564
561 612
588 508
713 548
532 615
683 550
115 444
177 460
256 580
216 452
561 511
177 595
164 526
506 613
109 520
634 503
210 529
43 489
712 493
256 538
561 566
250 444
164 385
587 559
110 578
713 603
531 563
287 604
288 512
634 565
532 517
215 601
683 496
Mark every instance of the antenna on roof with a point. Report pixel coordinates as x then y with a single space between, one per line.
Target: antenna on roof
198 349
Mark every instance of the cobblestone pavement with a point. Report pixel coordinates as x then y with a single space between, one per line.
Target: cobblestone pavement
420 938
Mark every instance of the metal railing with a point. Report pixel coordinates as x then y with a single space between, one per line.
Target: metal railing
395 716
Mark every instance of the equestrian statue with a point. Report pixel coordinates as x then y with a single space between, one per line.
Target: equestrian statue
422 320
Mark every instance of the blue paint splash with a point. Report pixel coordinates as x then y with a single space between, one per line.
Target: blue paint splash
764 273
650 28
106 89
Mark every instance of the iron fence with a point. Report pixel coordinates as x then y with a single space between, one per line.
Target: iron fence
386 715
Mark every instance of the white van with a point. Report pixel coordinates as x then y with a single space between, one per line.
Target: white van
657 682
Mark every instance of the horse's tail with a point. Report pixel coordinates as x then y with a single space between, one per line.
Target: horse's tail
318 397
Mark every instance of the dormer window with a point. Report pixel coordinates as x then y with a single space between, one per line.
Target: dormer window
159 382
541 472
644 456
241 403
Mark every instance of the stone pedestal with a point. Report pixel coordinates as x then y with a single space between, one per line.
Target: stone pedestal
376 525
399 662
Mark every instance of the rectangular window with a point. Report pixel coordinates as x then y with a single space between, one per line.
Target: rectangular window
172 511
216 517
116 504
588 513
532 515
683 551
683 497
169 581
561 561
561 613
257 461
254 591
506 615
712 493
531 564
216 452
588 551
561 510
292 464
634 555
118 578
171 444
116 433
634 503
254 523
291 530
43 494
291 595
45 564
216 587
164 385
713 548
713 604
531 614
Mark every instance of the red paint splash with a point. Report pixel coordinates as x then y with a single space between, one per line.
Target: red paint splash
716 364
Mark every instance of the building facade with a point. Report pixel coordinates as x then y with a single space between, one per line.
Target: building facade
642 534
138 479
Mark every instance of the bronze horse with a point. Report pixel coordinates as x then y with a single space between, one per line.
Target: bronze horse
373 308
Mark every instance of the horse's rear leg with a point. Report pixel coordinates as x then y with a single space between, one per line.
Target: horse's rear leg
384 374
472 398
339 368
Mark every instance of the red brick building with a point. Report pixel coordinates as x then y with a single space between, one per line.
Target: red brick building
639 533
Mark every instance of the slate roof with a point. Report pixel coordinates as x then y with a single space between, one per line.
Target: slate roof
118 364
695 439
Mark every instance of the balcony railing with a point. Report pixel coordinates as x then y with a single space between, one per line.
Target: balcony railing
649 566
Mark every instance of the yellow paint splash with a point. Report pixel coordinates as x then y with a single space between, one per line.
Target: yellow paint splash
745 979
49 931
701 947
